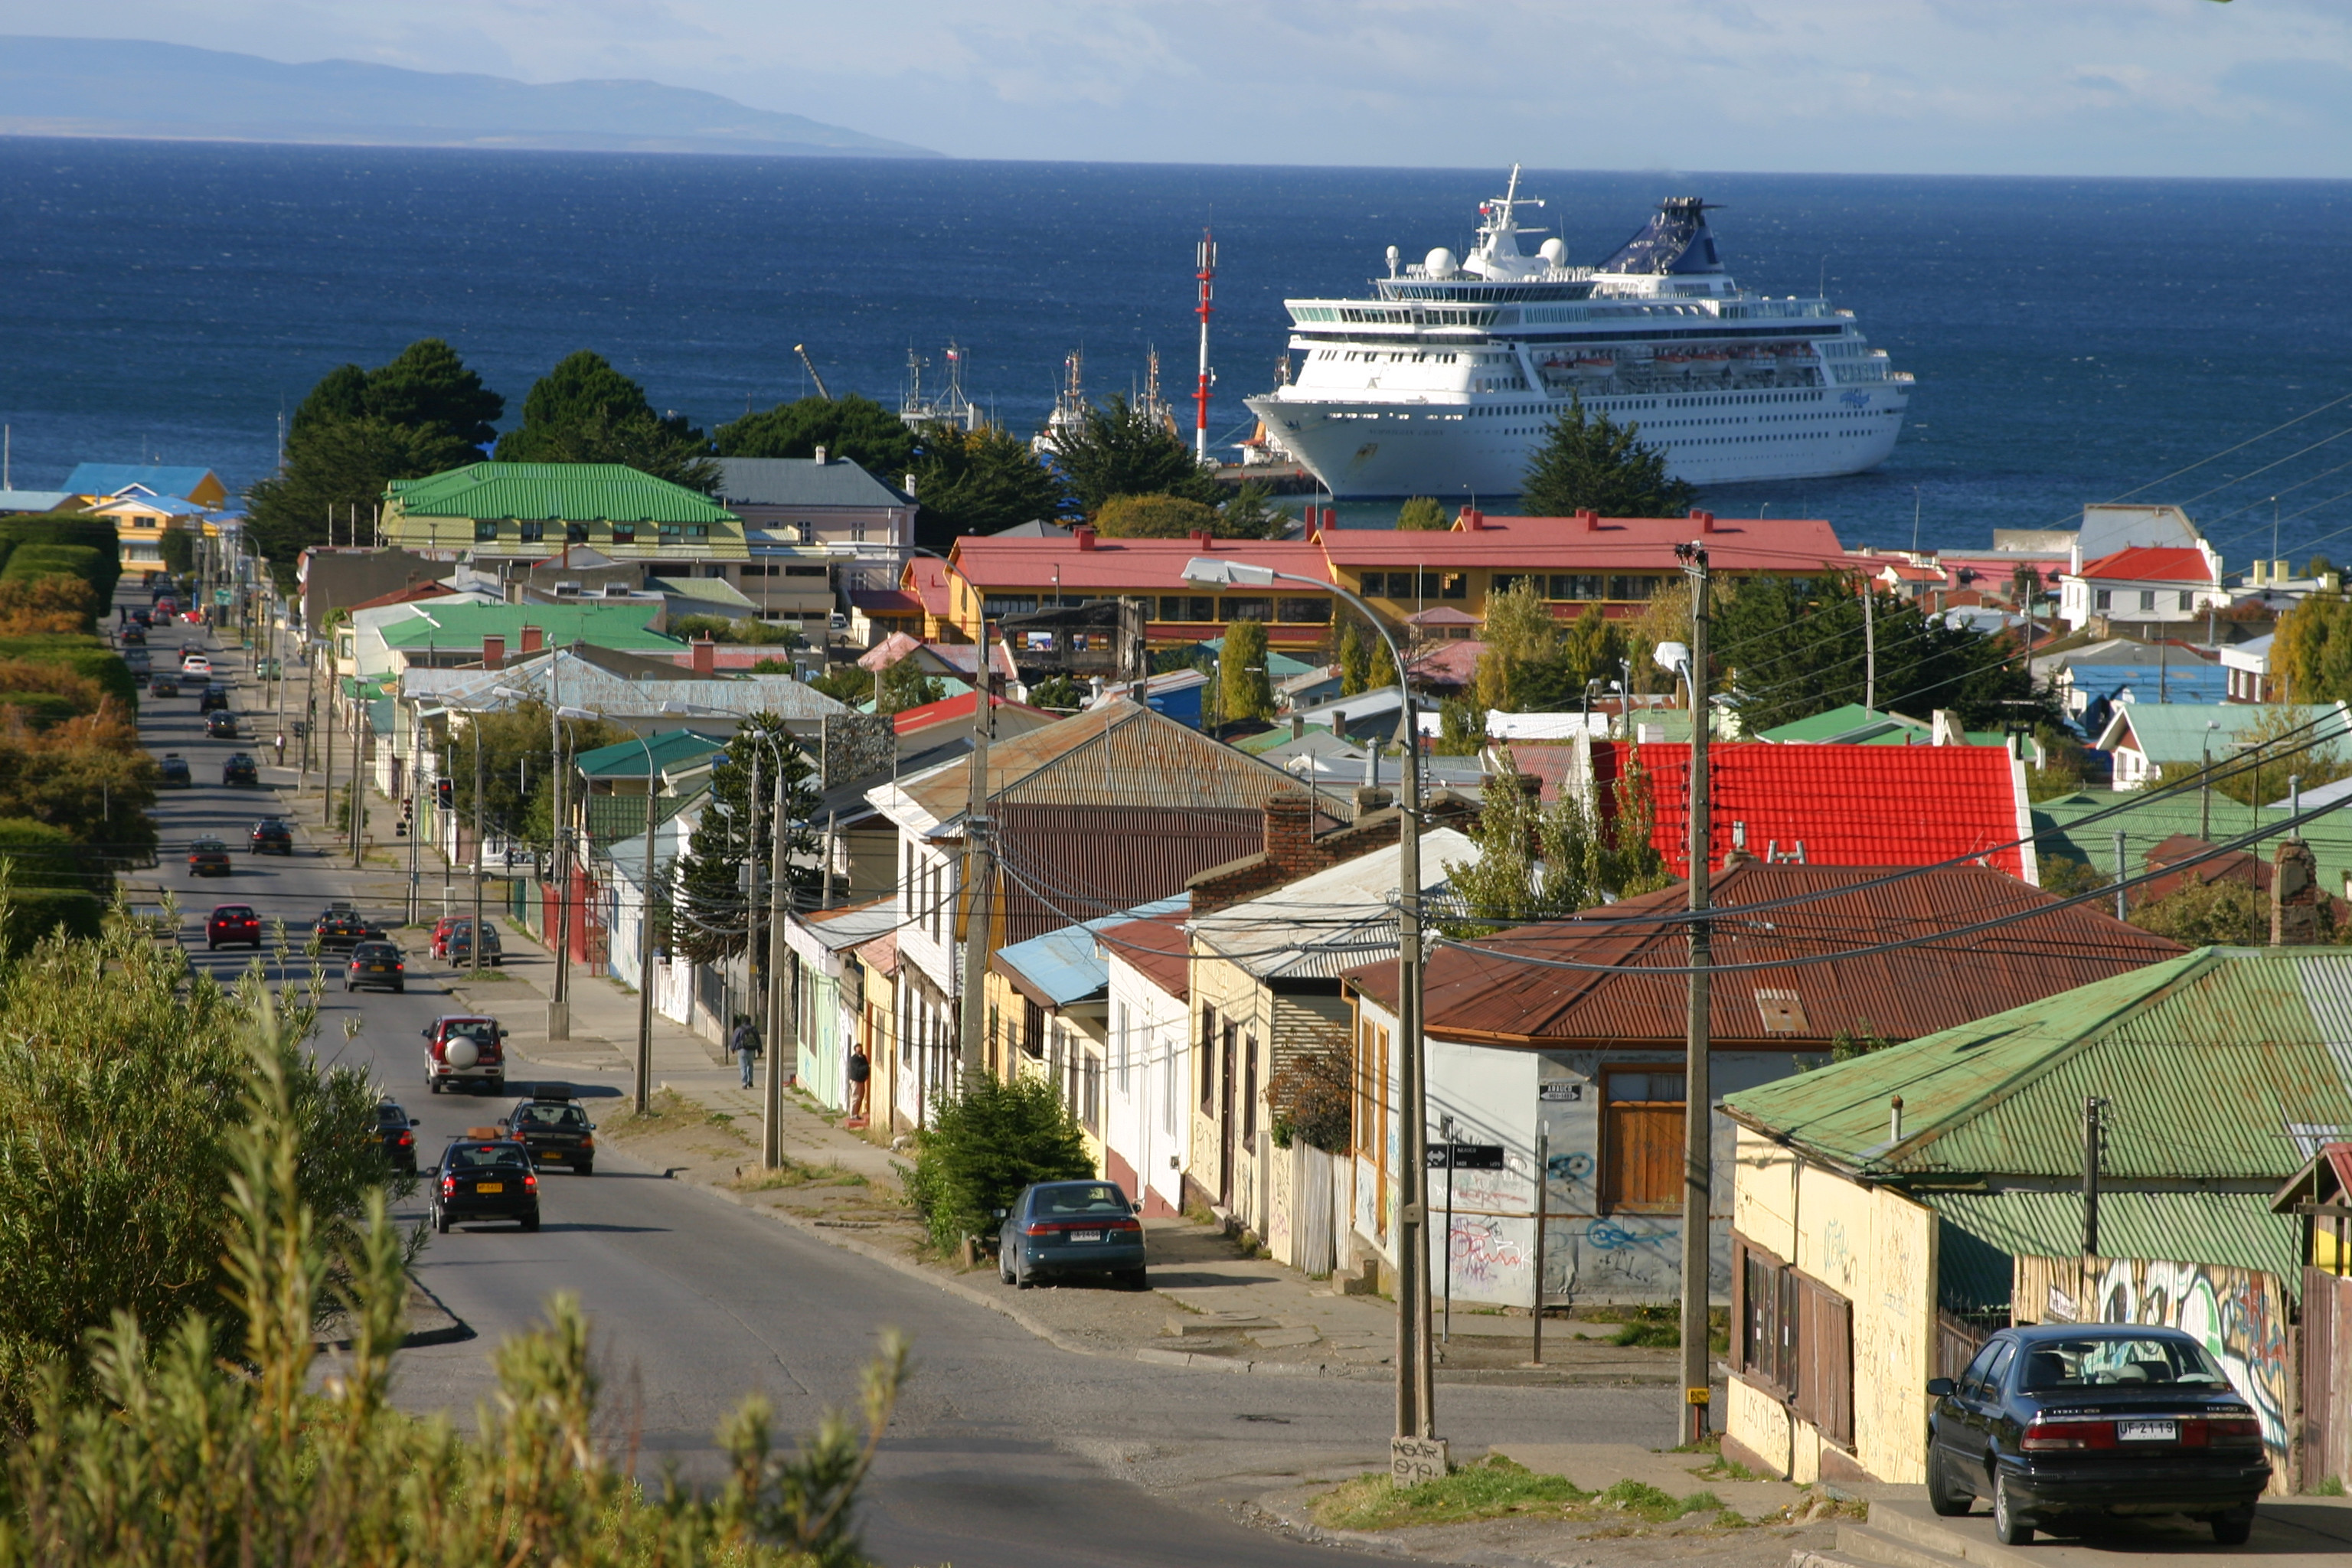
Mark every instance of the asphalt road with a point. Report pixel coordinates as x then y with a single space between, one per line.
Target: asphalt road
1004 1450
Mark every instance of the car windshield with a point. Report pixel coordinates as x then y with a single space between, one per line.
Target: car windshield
551 1116
206 845
488 1157
1088 1198
2105 1360
375 952
480 1029
233 912
391 1115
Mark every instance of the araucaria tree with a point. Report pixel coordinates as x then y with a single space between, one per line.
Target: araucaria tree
1121 450
858 428
978 481
713 917
1589 462
358 430
584 411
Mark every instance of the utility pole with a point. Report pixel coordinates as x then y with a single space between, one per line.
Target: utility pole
1698 1152
559 1009
330 722
1869 647
362 734
781 1016
2205 787
644 934
2094 1141
474 723
2121 865
979 912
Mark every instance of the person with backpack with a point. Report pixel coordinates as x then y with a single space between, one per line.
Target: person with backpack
745 1044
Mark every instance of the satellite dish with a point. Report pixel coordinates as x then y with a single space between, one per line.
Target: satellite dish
1554 251
1439 263
460 1053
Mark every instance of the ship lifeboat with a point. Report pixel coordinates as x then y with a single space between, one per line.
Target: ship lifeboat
1672 363
1795 353
1711 363
1596 369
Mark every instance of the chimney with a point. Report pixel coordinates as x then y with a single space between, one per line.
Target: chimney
1894 1119
1085 535
1298 726
909 486
533 639
1591 520
494 653
1370 798
705 656
1468 518
1290 832
821 457
1705 519
2294 895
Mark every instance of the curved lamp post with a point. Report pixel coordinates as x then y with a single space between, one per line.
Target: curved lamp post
1416 1415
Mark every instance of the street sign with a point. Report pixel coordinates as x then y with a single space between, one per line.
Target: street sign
220 596
1465 1156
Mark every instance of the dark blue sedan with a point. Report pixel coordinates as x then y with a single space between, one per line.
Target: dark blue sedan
2081 1421
1059 1228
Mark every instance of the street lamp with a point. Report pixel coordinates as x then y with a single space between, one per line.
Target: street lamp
1416 1415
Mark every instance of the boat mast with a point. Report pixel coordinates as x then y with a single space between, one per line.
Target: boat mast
1206 256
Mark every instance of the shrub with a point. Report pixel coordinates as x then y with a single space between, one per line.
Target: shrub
984 1144
1154 517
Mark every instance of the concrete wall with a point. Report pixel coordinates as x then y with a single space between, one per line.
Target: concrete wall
1876 1248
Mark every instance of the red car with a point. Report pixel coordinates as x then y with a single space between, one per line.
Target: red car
465 1050
231 925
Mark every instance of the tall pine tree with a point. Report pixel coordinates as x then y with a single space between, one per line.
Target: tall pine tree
1589 462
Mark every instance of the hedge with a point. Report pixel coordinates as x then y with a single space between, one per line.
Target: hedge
82 654
72 530
32 913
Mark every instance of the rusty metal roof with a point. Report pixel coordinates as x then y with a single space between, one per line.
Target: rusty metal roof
1483 994
1158 949
2222 1065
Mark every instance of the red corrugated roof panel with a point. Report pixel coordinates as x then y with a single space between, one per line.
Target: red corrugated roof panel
1158 949
2151 563
1599 544
1847 805
1486 992
1155 565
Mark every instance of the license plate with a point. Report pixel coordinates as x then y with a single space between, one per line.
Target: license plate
1085 1235
386 968
489 1186
2148 1431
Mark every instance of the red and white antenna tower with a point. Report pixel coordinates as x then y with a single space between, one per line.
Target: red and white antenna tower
1207 257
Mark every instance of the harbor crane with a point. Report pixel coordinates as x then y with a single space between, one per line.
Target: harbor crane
809 365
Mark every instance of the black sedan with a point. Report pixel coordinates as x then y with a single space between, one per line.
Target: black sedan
271 836
2081 1421
214 699
376 963
1070 1227
554 1127
209 857
398 1135
164 685
484 1177
220 724
173 771
241 771
342 927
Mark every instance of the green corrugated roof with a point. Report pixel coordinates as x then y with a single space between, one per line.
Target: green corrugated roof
465 626
2175 731
567 492
2221 1064
626 759
2233 1228
2152 820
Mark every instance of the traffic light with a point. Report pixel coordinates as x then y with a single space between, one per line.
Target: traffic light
445 793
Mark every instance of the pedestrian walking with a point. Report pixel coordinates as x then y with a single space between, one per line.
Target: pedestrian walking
281 748
745 1044
861 1073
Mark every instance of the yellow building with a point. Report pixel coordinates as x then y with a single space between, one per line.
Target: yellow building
516 513
141 520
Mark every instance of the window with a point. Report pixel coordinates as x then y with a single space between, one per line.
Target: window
1309 612
1251 609
804 533
485 533
857 533
668 533
1575 586
1185 607
1118 1045
2102 599
2187 601
1453 586
1642 1141
1032 1028
624 533
1208 1060
1008 605
1793 1336
532 533
1249 1092
2146 599
576 533
804 571
1623 587
1167 1090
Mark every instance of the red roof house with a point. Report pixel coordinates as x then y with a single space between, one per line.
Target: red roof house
2144 582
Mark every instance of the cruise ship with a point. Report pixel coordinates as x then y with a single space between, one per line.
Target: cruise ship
1443 381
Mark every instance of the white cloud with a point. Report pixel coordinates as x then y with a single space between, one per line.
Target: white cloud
2180 87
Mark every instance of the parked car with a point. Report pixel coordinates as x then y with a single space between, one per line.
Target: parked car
214 699
172 772
552 1126
2082 1420
199 664
484 1178
232 925
438 944
1070 1227
271 836
376 963
220 724
399 1136
164 685
340 925
459 947
465 1050
240 772
209 857
266 668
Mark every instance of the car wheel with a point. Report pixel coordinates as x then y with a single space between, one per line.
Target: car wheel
2007 1527
2231 1529
1021 1281
531 1222
441 1220
1137 1279
1945 1499
432 1086
347 984
586 1167
399 990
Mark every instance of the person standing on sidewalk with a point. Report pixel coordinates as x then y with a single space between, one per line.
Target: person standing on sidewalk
861 1073
745 1043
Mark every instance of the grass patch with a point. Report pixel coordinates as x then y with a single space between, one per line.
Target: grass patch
1653 1506
667 1112
1492 1487
1725 1469
2332 1486
796 1174
1662 1328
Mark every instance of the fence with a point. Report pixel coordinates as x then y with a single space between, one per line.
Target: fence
1304 1208
2327 1378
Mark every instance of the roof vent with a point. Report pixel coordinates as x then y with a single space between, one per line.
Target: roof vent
821 455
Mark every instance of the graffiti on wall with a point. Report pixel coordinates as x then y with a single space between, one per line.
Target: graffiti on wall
2238 1315
1487 1260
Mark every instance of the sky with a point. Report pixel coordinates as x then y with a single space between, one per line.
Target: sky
2179 87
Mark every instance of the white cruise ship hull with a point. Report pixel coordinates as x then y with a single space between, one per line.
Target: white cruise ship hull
1370 450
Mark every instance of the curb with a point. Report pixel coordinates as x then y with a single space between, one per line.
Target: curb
457 1331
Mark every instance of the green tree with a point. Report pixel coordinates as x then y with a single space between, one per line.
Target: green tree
1544 862
2311 651
2202 914
584 411
1121 450
178 547
1059 694
518 781
1423 514
858 428
1355 659
1461 727
904 686
979 481
1245 689
2253 765
1153 517
356 431
1591 463
987 1139
844 683
712 920
1247 515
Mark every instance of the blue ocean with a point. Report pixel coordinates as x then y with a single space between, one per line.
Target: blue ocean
2074 340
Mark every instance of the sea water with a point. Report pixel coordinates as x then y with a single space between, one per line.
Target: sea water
2075 339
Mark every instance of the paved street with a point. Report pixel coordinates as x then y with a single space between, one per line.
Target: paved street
1006 1449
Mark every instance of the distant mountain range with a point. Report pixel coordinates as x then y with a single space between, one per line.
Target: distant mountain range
113 87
